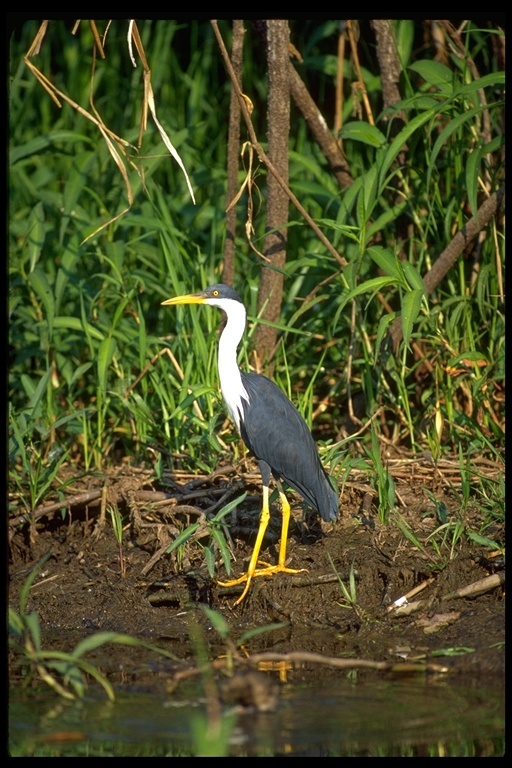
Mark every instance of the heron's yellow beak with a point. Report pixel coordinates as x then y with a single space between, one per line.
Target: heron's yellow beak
188 298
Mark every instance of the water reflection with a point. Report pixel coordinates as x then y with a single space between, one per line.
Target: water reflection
345 717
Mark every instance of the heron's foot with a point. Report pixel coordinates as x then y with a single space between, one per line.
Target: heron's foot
268 570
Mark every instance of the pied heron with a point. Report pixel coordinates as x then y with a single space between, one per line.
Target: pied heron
271 427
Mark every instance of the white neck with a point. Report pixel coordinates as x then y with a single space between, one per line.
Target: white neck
230 376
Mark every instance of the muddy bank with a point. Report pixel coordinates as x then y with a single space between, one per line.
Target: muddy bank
89 583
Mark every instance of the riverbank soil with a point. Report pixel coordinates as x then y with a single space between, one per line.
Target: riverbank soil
418 589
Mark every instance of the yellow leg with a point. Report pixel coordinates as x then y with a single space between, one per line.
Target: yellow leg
252 570
285 511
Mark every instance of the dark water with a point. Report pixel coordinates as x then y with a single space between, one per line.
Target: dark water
419 716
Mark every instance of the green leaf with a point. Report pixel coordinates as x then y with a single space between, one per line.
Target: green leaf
367 197
229 507
34 627
387 217
86 326
391 493
79 372
38 393
105 354
98 639
191 397
435 74
15 623
413 277
472 170
74 324
209 557
472 355
386 260
471 173
70 417
460 650
348 199
220 540
364 132
119 312
492 80
260 631
32 147
484 541
143 339
72 675
77 179
183 537
384 324
404 40
16 442
35 234
94 672
418 103
411 305
447 131
37 144
92 642
217 621
402 138
40 285
373 285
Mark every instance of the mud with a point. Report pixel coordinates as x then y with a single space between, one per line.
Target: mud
91 583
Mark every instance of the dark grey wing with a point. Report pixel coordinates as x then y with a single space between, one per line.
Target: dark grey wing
276 433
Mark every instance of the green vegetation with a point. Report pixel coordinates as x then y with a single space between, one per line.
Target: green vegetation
65 673
216 535
348 591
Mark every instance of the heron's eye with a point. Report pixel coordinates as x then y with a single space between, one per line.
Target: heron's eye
215 293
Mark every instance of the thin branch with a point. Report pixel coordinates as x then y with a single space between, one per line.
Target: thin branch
228 270
353 38
452 252
261 153
318 127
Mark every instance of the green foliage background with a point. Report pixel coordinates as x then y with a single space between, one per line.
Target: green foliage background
88 381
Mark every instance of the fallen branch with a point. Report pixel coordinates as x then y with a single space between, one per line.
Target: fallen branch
475 589
307 657
479 587
71 501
